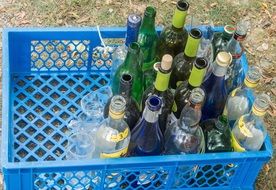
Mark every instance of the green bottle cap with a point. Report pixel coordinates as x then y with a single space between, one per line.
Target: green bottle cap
198 72
193 42
180 14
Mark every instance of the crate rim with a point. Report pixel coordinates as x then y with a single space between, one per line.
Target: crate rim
169 159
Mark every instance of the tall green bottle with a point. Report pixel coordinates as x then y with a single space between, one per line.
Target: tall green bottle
173 38
147 38
132 66
183 91
182 63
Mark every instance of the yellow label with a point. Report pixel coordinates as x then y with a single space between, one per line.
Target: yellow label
196 76
174 108
162 81
258 112
117 154
116 115
192 46
233 93
250 84
243 129
119 137
178 83
179 18
237 147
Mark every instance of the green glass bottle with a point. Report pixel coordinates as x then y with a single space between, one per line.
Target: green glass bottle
182 63
147 38
132 66
160 89
173 38
183 91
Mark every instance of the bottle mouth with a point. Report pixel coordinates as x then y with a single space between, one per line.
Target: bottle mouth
126 79
196 33
150 11
201 63
197 96
154 103
117 105
135 47
182 5
229 29
134 20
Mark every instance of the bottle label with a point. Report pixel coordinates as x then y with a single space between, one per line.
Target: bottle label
191 47
243 129
237 147
162 81
179 18
196 76
120 136
120 153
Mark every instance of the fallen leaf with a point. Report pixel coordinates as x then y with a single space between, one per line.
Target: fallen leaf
266 168
268 80
273 90
264 6
272 113
73 15
83 19
174 2
212 5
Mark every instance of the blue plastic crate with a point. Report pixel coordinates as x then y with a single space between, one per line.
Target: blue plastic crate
46 71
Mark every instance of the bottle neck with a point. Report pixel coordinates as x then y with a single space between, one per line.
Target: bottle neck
219 71
196 76
162 80
191 47
150 116
125 90
132 58
226 36
179 18
148 23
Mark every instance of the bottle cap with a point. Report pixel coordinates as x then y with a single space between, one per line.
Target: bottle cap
253 77
224 59
182 5
197 96
229 29
154 103
150 11
241 30
134 20
117 107
166 62
198 71
261 104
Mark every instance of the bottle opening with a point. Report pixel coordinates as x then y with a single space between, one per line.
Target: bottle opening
230 29
197 96
154 103
126 78
182 5
150 11
134 46
196 33
201 63
118 104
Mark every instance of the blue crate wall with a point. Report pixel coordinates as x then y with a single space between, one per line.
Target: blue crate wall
45 74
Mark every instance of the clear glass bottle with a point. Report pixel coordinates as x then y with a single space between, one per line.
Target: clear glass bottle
235 75
249 132
215 89
113 135
240 100
182 63
131 66
173 38
132 112
148 38
119 55
160 89
183 91
185 136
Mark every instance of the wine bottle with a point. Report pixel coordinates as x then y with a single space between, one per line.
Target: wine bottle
183 91
249 132
185 136
147 138
214 87
119 55
240 100
147 38
131 66
132 113
235 75
160 89
113 135
173 38
182 63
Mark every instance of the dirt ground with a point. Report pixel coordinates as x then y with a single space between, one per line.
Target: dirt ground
260 44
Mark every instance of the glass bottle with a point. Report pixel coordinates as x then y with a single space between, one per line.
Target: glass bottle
160 89
146 137
249 132
235 75
147 38
217 135
214 87
132 113
131 66
113 135
183 91
173 38
119 55
182 63
240 100
185 136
